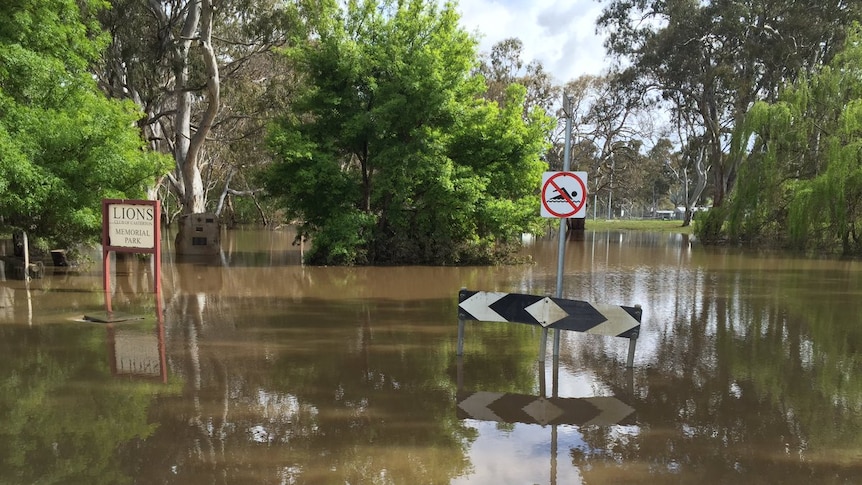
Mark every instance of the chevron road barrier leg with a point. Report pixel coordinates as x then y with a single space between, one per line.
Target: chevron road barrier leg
543 345
631 360
632 344
460 370
556 342
460 337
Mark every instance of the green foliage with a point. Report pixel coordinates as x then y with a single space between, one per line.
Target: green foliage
800 218
757 194
713 59
710 225
64 30
63 146
389 156
64 416
802 183
342 241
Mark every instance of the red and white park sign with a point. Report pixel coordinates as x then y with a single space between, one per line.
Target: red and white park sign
131 226
564 194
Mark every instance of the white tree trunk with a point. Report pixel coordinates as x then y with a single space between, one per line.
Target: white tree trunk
692 196
196 37
188 145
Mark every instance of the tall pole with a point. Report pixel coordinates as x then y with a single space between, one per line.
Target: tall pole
566 166
561 251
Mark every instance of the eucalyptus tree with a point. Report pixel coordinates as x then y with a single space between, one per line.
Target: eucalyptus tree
505 65
389 154
712 60
63 145
608 133
607 116
690 170
649 180
202 71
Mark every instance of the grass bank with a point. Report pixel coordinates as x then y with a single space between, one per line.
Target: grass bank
637 225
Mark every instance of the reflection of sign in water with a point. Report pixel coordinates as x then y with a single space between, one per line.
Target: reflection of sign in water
520 408
135 353
131 225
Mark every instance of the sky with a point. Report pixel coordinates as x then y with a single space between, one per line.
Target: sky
559 33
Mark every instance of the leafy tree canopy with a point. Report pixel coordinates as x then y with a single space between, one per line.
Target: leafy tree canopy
712 60
63 145
802 182
390 156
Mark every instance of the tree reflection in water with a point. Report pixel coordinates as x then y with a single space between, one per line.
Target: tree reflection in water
746 371
753 376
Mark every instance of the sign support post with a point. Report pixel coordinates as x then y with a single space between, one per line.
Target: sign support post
561 250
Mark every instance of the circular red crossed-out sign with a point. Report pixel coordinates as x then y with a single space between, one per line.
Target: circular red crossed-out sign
564 194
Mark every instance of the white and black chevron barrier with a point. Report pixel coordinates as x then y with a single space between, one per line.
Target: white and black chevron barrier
520 408
549 313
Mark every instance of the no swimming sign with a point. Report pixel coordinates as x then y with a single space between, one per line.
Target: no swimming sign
564 194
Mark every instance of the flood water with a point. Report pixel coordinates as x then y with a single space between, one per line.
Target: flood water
264 371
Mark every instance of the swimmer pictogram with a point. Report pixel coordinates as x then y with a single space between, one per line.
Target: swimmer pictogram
563 197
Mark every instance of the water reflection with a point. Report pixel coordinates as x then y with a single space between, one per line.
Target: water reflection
746 371
542 409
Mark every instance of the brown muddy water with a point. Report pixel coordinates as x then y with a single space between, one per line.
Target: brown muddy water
264 371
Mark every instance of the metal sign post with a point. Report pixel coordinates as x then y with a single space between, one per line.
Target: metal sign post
561 250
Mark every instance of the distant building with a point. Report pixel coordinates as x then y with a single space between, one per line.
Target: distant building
666 215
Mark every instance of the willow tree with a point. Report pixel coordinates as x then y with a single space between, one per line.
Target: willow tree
802 183
390 155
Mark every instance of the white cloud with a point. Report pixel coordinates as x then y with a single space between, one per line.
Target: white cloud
558 33
522 455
